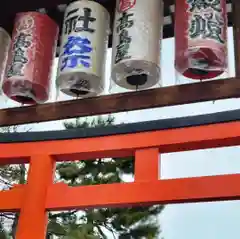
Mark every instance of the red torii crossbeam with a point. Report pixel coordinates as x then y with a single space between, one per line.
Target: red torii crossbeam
40 194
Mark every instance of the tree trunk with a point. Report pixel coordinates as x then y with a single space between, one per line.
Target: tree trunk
14 226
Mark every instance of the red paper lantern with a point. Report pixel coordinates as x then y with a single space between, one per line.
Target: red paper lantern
28 71
200 38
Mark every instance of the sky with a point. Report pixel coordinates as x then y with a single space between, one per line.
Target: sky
187 221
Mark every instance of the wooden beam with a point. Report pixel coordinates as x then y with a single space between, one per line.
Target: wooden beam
117 146
11 200
198 189
236 34
166 96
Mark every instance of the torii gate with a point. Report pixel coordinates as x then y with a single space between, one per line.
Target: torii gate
144 140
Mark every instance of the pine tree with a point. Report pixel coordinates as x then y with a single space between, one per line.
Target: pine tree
123 223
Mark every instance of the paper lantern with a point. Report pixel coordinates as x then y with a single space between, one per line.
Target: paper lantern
200 38
5 41
28 71
83 49
137 43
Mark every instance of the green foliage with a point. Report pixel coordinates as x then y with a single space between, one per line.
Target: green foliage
123 223
3 233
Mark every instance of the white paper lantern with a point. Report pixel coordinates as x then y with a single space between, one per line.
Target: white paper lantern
137 43
83 49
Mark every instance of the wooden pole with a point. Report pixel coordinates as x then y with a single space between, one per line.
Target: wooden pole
236 34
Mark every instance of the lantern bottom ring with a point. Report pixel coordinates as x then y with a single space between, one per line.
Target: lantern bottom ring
80 84
134 73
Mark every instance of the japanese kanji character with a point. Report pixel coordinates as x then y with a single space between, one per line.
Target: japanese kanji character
197 5
209 25
123 46
124 21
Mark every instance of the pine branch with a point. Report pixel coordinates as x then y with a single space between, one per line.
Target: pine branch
111 230
10 216
121 223
62 214
5 182
100 231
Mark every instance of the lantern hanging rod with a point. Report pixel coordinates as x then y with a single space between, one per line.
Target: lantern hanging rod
56 8
160 97
132 128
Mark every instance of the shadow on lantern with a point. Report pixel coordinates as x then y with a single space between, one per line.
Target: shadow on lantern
204 66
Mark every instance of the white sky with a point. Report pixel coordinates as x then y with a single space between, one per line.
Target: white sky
188 221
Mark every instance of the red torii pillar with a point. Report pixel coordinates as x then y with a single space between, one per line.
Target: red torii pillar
33 217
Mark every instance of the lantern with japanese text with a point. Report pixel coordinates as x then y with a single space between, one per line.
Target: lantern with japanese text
5 41
201 38
137 43
32 51
84 42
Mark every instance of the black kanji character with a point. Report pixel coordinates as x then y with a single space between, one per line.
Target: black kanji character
70 25
123 46
73 19
19 56
86 19
207 26
124 21
197 5
15 69
22 41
